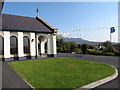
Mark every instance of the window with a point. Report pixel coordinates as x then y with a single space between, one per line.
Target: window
13 45
1 45
26 44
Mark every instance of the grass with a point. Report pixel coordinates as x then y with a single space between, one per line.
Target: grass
61 72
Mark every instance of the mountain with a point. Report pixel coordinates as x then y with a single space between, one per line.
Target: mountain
80 41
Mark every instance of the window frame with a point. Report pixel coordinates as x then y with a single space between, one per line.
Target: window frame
16 48
2 53
26 50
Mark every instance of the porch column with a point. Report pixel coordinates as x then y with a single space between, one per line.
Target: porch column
32 46
49 46
6 45
54 51
37 41
42 48
20 46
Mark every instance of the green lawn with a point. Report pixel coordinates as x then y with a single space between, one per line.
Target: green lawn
61 72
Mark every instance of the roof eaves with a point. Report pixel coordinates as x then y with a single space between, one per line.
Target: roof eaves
21 30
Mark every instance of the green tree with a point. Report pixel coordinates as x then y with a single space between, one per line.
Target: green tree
73 45
108 46
84 48
107 43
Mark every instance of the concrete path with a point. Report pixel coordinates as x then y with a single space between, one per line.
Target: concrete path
112 60
10 79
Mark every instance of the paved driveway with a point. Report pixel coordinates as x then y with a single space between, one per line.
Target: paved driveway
112 60
10 79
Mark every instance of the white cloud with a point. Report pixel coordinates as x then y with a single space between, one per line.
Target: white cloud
64 34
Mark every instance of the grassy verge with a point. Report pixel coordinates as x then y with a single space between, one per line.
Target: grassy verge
61 72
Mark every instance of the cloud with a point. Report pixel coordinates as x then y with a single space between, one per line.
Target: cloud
64 34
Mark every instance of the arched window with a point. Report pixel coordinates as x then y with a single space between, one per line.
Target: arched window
26 44
1 45
13 45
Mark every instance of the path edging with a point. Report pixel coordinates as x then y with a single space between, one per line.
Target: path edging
100 82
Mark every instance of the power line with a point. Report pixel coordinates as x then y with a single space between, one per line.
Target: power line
97 28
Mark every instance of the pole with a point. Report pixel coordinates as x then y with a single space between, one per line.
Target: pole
37 11
110 37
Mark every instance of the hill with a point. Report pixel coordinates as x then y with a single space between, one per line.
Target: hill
80 41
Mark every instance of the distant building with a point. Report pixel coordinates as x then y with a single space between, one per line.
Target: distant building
98 47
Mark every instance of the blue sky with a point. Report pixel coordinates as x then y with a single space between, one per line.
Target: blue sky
73 16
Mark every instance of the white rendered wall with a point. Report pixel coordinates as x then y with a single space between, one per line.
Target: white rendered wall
37 45
32 44
43 45
49 45
42 48
2 33
6 44
20 44
54 45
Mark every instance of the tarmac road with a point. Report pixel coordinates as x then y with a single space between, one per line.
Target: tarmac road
111 60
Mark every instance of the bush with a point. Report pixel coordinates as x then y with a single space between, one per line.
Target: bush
116 51
78 51
110 53
59 49
91 51
101 52
91 47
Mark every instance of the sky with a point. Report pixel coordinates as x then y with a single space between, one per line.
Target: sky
93 19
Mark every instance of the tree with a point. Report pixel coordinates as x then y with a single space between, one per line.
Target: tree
90 46
73 45
108 46
84 48
107 43
79 46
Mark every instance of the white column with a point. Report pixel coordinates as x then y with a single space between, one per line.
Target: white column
49 46
37 45
20 46
54 45
42 47
7 45
32 46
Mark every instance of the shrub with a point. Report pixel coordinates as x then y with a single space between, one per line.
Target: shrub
59 49
101 52
116 51
90 47
91 51
77 50
110 53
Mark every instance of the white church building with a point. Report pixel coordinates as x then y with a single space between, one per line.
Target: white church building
26 38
